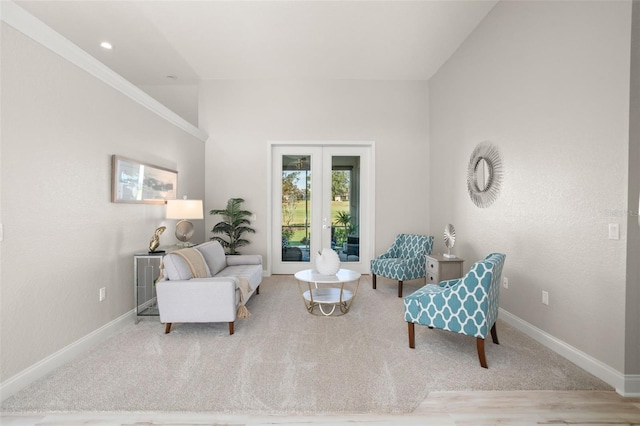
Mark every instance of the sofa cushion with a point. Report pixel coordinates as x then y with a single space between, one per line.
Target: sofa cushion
175 267
214 256
244 259
252 273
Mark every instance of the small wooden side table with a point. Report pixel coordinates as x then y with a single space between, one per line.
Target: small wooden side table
440 268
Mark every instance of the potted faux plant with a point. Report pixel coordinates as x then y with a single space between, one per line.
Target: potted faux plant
235 224
344 219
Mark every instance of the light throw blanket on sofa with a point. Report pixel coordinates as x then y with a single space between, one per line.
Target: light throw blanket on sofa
193 258
195 261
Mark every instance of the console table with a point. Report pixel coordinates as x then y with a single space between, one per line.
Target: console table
146 270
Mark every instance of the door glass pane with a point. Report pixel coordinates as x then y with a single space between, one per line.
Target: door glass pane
296 207
345 207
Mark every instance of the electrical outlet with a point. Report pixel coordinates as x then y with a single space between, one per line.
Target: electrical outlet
103 293
614 231
545 297
505 282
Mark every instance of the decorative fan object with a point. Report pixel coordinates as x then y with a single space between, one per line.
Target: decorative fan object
327 262
449 240
484 174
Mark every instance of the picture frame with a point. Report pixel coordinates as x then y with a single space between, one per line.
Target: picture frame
133 181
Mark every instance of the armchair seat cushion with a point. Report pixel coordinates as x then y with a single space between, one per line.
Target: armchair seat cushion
397 269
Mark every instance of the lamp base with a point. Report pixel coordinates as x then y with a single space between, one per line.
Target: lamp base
449 256
184 230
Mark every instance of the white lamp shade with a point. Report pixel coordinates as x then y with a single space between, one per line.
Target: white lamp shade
184 209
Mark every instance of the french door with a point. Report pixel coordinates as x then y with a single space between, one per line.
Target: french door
321 198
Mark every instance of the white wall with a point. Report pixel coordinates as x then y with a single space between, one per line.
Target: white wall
63 238
242 116
548 83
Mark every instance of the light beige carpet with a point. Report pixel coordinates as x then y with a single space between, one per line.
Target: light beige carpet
284 360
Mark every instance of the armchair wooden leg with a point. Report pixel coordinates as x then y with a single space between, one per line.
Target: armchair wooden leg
494 334
230 328
373 280
412 335
399 288
481 356
258 290
167 328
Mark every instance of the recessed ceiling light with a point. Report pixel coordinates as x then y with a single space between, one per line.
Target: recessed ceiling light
106 45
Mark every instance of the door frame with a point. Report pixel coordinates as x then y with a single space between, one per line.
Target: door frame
366 179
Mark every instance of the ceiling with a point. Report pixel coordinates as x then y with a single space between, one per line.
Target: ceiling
296 39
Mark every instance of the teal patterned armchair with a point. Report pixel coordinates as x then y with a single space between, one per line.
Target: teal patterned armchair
404 260
468 305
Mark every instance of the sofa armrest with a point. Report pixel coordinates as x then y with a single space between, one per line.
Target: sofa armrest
244 259
212 299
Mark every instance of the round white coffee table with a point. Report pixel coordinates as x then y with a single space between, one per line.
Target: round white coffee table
328 290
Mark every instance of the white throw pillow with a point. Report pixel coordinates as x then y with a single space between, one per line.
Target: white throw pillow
214 256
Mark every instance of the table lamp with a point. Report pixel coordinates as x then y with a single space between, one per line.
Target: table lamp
184 210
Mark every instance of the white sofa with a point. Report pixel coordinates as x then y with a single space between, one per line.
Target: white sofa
182 298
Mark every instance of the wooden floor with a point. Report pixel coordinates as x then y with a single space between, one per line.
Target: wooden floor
440 408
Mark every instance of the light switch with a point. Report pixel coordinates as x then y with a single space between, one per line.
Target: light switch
614 231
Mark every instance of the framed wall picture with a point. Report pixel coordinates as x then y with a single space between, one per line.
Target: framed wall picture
136 182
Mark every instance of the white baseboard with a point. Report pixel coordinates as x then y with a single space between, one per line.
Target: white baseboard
632 385
61 357
626 385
